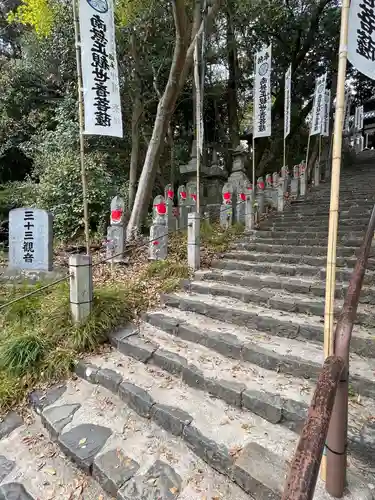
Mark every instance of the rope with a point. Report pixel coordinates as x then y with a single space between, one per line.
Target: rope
34 292
103 261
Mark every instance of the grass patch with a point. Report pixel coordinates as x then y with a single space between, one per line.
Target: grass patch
38 341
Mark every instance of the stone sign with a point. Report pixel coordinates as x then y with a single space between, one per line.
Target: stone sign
30 239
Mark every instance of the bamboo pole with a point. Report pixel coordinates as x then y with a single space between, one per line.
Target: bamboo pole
253 162
284 160
335 192
308 151
198 114
81 128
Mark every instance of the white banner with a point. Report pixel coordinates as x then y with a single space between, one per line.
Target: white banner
262 94
101 93
326 113
361 37
319 96
348 102
287 101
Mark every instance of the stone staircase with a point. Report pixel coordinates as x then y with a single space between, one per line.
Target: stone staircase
205 397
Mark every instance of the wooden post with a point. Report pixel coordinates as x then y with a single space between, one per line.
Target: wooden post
335 192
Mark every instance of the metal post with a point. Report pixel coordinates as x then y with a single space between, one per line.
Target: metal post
335 192
81 127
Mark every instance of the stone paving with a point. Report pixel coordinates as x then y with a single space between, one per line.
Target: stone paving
205 397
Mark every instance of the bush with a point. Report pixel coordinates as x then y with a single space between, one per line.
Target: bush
60 191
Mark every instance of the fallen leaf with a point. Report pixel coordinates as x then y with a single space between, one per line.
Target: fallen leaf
51 472
82 441
173 490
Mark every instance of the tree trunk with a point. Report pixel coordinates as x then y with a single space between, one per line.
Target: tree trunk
164 112
232 106
136 118
180 67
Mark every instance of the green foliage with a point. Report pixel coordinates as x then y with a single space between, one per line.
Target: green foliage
57 170
39 14
165 269
43 343
216 239
22 353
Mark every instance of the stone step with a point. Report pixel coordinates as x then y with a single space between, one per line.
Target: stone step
309 232
32 467
293 216
242 446
351 238
294 249
345 224
111 436
284 240
301 285
280 300
276 374
342 274
287 258
321 211
279 323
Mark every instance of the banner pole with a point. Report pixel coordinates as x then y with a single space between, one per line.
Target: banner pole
307 153
334 204
197 120
253 162
81 127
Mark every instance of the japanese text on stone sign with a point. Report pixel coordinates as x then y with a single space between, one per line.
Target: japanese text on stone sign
28 237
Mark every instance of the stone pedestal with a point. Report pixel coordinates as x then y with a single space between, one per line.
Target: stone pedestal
316 174
294 183
260 196
285 178
280 197
81 289
194 241
249 211
116 231
226 209
158 247
303 179
214 178
183 209
238 177
115 243
171 214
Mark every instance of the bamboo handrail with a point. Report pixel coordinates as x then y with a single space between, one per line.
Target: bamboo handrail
328 410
